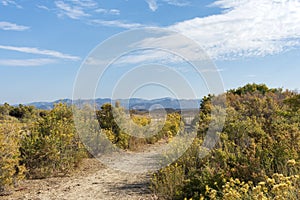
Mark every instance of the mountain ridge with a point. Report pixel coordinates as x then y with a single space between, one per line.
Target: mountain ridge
133 103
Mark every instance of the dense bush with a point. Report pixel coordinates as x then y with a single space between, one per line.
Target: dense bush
257 155
132 133
261 135
95 139
51 146
276 187
10 169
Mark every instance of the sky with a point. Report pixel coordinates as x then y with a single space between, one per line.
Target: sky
44 44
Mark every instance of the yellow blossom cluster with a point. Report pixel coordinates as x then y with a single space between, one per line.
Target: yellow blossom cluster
277 187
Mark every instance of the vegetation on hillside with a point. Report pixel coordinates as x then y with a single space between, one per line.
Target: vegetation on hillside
257 154
41 143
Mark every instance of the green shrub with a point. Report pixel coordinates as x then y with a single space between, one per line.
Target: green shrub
10 169
132 133
261 135
168 182
51 146
270 188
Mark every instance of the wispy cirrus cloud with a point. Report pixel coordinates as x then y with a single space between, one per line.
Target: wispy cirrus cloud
85 3
81 9
246 28
152 5
108 11
148 56
179 3
32 50
26 62
116 23
10 2
74 12
43 7
8 26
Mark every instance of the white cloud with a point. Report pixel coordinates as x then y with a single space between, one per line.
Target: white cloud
43 7
74 12
7 26
114 11
177 2
106 11
95 61
85 3
156 56
115 23
81 9
85 9
148 56
246 28
26 62
101 10
37 51
175 43
152 5
10 2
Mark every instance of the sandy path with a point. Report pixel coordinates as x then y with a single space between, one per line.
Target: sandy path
93 180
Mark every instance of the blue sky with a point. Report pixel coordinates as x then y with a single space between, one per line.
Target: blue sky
42 44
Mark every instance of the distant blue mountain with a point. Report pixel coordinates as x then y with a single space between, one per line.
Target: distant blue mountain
134 103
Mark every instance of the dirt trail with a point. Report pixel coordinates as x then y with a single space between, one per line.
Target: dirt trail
93 180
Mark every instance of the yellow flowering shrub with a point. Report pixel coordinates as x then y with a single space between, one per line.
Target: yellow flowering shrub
168 181
51 146
10 169
277 187
260 138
